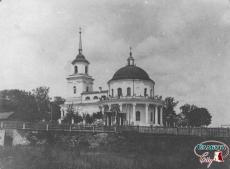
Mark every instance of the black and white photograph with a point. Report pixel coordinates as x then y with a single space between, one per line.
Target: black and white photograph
114 84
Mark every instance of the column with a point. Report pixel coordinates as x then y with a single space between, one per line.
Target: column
147 113
161 116
109 115
109 105
134 113
120 114
120 104
156 115
103 114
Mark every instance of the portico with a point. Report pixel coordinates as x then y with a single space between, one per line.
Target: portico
133 113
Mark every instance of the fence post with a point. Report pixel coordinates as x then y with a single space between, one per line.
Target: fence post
70 127
115 129
23 126
93 129
47 127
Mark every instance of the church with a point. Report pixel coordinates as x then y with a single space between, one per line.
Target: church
130 90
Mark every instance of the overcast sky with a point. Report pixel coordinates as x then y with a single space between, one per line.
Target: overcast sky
183 45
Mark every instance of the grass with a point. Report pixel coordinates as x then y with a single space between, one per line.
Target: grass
119 152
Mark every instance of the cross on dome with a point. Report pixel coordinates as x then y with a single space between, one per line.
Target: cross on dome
130 59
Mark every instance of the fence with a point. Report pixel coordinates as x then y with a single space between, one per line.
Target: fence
41 126
182 131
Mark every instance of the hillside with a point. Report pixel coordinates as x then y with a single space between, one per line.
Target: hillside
102 151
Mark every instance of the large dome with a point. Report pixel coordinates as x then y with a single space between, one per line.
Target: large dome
131 72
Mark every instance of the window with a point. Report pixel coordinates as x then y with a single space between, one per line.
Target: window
95 97
112 92
151 92
87 88
128 91
87 98
74 90
151 116
119 92
138 116
75 69
86 69
145 92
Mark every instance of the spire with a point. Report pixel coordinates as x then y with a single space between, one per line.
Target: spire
130 59
80 43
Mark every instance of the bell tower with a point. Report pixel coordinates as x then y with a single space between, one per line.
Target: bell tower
79 81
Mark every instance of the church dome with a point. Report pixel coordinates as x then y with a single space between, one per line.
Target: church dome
131 72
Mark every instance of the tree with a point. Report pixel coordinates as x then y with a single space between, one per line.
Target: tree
97 115
55 107
69 115
72 115
199 117
88 119
169 114
192 115
22 103
42 98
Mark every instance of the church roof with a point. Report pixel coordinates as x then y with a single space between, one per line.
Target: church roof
80 58
131 72
5 115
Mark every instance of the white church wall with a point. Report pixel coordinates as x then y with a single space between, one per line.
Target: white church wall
141 108
139 86
89 109
81 67
92 96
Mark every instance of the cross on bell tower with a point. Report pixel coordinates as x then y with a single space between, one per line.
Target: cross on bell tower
80 42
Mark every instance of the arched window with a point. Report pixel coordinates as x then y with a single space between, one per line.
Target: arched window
86 69
87 98
74 90
95 97
138 115
128 91
87 88
112 93
145 92
75 69
119 92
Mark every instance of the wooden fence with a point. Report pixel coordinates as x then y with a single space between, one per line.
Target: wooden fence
41 126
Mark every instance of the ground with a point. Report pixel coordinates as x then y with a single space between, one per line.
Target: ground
102 151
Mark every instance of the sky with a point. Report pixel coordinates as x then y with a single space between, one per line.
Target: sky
183 45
